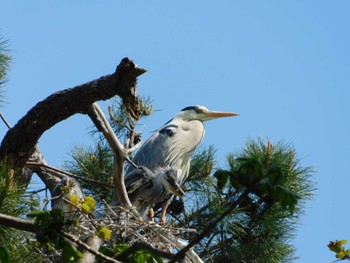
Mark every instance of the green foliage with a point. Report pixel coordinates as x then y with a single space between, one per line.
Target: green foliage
90 201
123 123
15 245
104 233
265 179
93 163
222 177
4 255
51 224
5 61
202 164
140 256
265 188
338 248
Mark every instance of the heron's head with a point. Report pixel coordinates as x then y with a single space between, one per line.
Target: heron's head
201 113
168 178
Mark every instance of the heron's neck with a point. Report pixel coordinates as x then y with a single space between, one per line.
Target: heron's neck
161 181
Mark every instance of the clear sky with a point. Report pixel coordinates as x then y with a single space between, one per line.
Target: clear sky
283 65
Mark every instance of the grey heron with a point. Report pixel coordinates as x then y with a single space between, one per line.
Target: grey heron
66 188
174 143
146 188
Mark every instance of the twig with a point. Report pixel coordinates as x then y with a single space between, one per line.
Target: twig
131 131
120 155
88 248
207 251
78 209
110 112
38 191
60 173
210 227
134 148
5 121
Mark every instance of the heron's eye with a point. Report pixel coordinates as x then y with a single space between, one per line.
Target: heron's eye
170 179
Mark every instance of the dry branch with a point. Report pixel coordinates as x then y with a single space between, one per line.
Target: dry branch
43 170
119 152
208 229
18 144
87 247
27 225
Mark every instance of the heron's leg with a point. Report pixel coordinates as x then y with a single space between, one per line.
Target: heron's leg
151 214
164 210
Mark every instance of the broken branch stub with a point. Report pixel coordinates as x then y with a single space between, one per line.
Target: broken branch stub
18 144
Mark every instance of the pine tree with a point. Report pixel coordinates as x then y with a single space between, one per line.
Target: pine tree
244 212
15 245
264 186
5 61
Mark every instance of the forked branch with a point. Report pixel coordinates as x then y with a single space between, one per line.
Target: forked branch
120 154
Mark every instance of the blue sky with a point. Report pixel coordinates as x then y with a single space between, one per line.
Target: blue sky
283 65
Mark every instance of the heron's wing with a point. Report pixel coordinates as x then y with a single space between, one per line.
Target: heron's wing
136 181
154 152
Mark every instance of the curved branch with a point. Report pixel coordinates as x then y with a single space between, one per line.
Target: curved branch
118 149
18 144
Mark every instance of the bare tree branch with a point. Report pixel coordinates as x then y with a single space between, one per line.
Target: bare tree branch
49 179
94 242
18 144
120 154
43 170
208 229
5 121
18 223
37 157
27 225
87 247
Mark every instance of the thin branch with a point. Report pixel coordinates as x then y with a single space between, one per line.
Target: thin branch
38 191
18 223
102 124
134 148
61 173
107 130
95 243
111 115
210 227
5 121
87 247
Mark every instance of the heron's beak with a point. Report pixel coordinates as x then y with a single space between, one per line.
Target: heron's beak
218 114
176 189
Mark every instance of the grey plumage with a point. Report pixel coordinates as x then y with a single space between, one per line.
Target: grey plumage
174 143
66 188
146 188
